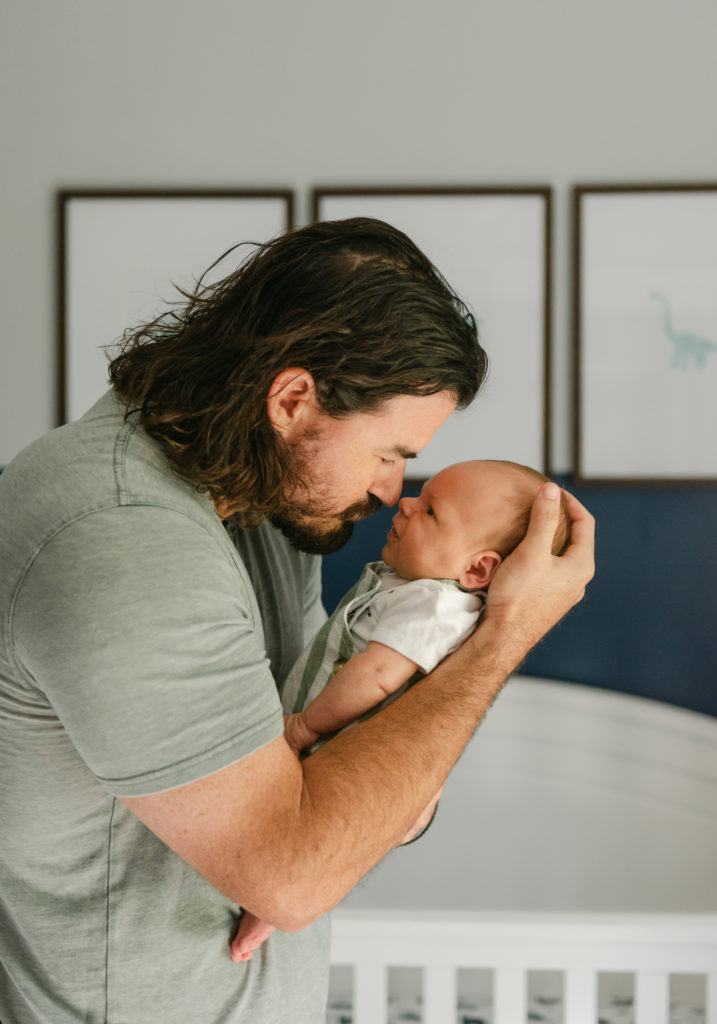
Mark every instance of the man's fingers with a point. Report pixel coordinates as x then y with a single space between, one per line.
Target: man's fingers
543 523
533 588
583 522
582 543
544 517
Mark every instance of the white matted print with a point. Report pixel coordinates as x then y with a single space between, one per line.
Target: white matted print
646 333
493 247
121 253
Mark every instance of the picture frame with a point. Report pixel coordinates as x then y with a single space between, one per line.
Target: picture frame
122 251
494 246
645 333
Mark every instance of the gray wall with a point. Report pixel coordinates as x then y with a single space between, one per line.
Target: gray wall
260 92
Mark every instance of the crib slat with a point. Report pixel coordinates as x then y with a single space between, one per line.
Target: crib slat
580 997
711 1017
509 995
439 995
652 997
370 994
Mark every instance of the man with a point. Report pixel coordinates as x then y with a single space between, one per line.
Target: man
158 582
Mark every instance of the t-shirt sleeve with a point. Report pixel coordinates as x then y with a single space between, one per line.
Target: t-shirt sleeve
145 638
425 621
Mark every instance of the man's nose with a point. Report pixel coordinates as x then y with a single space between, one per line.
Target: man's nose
388 488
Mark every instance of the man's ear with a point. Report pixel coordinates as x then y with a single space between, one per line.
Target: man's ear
291 401
480 570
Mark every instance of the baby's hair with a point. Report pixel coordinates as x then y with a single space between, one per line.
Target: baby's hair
522 505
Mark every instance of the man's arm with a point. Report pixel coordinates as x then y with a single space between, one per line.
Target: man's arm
288 839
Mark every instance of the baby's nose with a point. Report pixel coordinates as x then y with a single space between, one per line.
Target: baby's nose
406 505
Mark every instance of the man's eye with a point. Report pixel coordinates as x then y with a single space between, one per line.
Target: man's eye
429 511
386 462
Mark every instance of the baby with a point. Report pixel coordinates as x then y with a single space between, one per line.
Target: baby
409 611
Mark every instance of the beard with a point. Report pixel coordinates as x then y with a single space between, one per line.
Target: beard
303 517
322 535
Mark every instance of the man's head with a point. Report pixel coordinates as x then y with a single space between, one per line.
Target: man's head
352 305
467 519
346 467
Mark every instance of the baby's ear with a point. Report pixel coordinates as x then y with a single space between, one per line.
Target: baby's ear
480 571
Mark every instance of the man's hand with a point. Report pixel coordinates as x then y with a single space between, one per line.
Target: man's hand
533 588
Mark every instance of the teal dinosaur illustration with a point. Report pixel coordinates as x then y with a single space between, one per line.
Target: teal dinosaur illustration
686 343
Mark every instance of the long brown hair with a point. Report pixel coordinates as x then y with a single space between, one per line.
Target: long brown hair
354 302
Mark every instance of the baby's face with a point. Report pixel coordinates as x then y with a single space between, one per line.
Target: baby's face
460 511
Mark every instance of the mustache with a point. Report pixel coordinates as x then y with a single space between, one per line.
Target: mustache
311 538
362 509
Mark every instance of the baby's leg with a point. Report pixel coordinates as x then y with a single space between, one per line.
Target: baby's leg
252 932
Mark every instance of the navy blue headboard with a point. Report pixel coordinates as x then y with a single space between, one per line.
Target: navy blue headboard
648 624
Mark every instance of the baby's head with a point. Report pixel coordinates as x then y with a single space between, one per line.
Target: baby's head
466 520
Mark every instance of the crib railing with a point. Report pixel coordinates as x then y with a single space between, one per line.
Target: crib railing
649 946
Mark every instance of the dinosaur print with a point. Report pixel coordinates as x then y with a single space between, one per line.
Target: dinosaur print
686 344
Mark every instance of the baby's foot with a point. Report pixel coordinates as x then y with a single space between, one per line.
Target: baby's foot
252 932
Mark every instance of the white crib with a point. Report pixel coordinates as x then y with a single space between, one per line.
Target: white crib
575 850
651 948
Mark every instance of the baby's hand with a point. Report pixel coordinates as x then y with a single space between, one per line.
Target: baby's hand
252 932
297 733
424 819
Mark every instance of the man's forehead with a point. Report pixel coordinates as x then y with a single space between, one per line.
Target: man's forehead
410 421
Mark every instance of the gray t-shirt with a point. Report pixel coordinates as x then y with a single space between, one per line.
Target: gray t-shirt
140 647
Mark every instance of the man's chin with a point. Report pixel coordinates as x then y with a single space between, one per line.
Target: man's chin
309 539
306 531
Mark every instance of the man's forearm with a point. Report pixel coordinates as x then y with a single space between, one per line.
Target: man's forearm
364 789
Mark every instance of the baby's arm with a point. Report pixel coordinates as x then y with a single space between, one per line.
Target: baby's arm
359 685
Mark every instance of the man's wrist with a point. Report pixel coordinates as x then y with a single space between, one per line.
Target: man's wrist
498 648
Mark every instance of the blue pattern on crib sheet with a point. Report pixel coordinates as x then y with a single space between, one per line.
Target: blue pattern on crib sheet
541 1010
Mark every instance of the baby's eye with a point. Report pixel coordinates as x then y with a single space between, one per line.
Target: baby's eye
429 511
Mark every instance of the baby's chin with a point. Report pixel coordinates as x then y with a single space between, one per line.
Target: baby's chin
399 566
402 570
390 562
